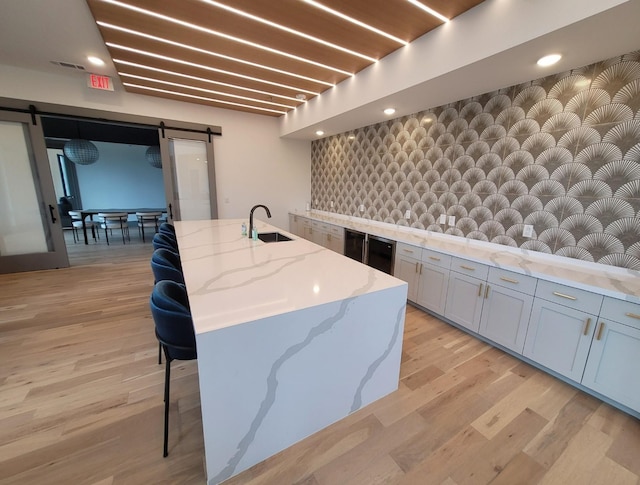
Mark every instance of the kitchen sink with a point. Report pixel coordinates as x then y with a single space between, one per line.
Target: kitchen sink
270 237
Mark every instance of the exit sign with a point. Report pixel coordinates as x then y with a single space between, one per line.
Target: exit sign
96 81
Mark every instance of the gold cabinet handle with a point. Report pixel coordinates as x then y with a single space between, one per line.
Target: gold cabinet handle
467 267
633 315
587 324
562 295
407 251
417 266
434 258
508 280
486 292
600 329
480 289
420 268
328 237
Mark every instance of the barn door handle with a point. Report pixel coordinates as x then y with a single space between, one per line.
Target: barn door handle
52 214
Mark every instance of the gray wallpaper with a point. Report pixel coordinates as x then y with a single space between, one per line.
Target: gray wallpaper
560 153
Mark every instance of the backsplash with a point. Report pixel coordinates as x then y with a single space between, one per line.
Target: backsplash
561 153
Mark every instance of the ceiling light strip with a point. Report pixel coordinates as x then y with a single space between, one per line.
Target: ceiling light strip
225 36
176 93
357 22
202 79
211 53
204 90
208 68
289 30
429 10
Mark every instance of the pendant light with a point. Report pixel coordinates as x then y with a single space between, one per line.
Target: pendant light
153 156
81 151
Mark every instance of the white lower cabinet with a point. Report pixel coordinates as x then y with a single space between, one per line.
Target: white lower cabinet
614 359
433 281
507 308
406 269
335 239
559 338
293 224
465 295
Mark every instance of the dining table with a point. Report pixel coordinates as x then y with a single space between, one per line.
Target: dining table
92 212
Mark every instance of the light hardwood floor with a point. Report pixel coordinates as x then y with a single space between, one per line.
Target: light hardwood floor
81 401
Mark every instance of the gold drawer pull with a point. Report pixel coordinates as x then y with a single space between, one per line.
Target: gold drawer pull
438 259
587 324
420 268
480 289
467 267
633 315
562 295
600 331
508 280
417 266
486 292
407 250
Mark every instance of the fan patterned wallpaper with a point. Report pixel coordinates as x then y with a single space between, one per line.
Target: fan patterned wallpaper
561 153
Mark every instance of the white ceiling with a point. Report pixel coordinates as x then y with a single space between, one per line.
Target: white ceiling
483 56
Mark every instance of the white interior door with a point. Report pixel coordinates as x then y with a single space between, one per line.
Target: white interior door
31 236
189 175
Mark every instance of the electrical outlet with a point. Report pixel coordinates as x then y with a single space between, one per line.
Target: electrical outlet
443 218
527 230
361 207
331 204
452 220
407 214
315 202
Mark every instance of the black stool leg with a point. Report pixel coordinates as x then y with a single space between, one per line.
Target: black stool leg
167 379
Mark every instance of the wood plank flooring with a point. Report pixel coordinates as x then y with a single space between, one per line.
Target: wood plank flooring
81 401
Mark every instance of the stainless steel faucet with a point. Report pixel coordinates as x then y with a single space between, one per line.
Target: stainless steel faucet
251 216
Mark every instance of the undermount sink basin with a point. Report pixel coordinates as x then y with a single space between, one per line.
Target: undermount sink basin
270 237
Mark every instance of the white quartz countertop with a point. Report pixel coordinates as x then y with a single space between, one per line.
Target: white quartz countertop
233 280
606 280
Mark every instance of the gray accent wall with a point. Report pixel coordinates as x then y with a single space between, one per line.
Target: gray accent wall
559 153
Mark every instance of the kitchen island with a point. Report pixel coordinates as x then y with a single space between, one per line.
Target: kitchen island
291 338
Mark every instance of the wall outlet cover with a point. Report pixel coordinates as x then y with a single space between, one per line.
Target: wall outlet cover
361 207
452 220
527 230
443 218
407 214
331 204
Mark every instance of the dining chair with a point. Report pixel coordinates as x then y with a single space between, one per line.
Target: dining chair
114 220
147 220
174 330
163 240
76 223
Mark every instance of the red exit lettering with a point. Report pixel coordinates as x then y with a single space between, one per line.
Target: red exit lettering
97 81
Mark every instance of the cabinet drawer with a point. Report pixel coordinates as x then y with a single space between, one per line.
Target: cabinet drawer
471 268
569 297
403 249
621 311
509 279
304 221
336 231
437 259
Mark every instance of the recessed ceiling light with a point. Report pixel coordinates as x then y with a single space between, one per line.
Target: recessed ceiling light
549 60
96 61
389 111
301 97
319 132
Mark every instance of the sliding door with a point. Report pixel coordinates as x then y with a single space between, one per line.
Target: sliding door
31 236
189 175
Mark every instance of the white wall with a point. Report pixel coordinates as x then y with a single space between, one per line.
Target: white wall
253 164
121 178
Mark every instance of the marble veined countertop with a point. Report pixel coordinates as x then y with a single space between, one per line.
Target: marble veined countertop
232 279
603 279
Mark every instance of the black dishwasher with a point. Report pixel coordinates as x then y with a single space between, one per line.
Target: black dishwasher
380 253
374 251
